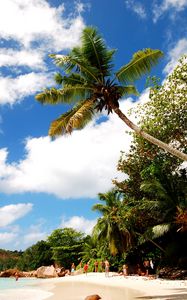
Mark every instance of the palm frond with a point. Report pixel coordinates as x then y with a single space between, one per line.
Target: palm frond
154 187
140 64
76 62
100 208
67 94
96 52
154 232
160 230
76 118
127 90
74 79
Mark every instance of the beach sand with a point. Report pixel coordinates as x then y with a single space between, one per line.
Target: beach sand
115 287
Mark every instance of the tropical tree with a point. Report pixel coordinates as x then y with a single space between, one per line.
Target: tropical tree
165 114
110 228
66 244
91 87
37 255
91 249
169 195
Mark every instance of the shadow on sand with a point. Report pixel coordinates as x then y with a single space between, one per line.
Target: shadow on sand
180 294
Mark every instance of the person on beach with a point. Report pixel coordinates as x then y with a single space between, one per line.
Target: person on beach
107 267
16 276
102 266
72 269
96 264
138 270
86 268
125 270
146 264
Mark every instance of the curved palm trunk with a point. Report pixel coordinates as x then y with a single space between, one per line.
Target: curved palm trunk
157 245
149 137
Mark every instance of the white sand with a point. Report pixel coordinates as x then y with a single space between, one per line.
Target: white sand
112 288
117 288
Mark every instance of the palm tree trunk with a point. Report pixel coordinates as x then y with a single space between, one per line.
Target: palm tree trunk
157 245
149 137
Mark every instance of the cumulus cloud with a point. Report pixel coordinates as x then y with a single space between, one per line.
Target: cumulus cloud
14 237
79 223
30 30
174 54
30 58
137 7
6 238
15 89
167 5
36 20
33 235
11 213
80 165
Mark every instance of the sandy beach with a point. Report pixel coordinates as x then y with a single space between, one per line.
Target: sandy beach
114 287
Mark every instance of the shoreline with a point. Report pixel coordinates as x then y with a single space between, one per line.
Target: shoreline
115 287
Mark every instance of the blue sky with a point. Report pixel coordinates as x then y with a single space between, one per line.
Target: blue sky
47 184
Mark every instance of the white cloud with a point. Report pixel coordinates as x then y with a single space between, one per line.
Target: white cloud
14 89
29 58
80 165
34 234
136 7
34 29
174 55
6 238
34 20
14 237
13 212
166 5
79 224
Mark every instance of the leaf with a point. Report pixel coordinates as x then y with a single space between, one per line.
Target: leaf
67 94
96 52
76 118
140 64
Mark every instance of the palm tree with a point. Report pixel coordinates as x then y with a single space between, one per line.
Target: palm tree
110 226
168 203
91 86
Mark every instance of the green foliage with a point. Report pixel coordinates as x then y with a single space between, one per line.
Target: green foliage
111 228
140 64
38 255
66 244
164 116
9 259
155 190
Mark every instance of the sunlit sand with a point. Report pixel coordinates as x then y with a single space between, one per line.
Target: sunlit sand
114 287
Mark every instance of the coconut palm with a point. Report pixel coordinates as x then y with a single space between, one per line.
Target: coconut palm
89 83
110 226
168 203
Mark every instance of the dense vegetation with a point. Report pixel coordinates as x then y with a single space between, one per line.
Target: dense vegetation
142 217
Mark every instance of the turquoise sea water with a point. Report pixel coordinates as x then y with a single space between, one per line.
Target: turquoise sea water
23 289
11 283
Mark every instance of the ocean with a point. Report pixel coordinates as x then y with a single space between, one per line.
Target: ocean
11 283
22 289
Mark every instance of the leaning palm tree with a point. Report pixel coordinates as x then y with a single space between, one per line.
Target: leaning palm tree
89 83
